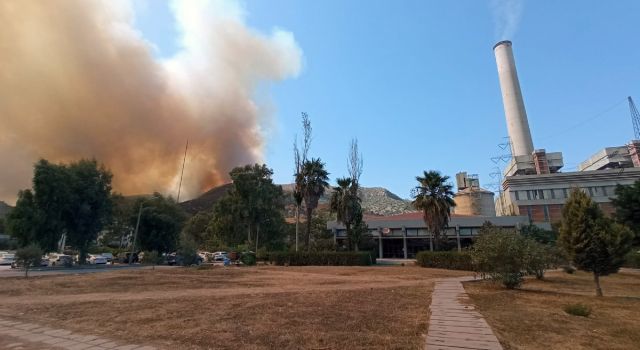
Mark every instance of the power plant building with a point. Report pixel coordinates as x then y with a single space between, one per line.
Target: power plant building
533 183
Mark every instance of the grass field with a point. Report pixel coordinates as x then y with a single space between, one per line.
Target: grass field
246 308
533 317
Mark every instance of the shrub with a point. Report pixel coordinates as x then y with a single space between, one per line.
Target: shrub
578 310
445 260
248 258
568 269
506 256
29 256
328 258
632 259
188 251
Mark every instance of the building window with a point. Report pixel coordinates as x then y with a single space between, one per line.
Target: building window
540 194
604 190
517 195
528 195
552 192
530 213
590 189
565 193
546 212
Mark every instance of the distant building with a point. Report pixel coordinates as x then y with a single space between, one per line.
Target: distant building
402 236
533 185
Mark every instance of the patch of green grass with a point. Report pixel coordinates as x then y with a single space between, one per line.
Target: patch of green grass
578 310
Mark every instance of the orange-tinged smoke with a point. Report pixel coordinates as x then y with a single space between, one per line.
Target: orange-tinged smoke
78 80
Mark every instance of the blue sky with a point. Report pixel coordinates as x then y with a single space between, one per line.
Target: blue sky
416 81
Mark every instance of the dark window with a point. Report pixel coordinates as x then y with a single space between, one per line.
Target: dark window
553 193
565 193
604 190
541 194
528 195
517 195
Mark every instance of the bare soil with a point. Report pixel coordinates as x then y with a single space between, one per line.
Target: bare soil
533 317
230 308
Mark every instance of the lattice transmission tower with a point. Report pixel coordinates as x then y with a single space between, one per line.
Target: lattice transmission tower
635 118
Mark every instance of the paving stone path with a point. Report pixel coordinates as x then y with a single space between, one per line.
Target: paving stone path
454 323
38 337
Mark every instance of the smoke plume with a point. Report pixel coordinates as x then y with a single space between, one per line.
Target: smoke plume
78 80
506 17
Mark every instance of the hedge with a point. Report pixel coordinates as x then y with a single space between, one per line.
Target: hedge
322 258
632 259
445 260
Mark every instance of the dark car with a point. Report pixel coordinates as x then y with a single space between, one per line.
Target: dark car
171 259
123 258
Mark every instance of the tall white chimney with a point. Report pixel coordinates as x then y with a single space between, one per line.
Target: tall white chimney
517 123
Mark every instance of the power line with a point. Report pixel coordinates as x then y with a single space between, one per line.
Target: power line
585 121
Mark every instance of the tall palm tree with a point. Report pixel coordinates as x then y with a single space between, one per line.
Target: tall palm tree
434 197
346 204
315 182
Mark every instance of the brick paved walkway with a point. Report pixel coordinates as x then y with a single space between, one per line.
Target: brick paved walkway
454 323
51 338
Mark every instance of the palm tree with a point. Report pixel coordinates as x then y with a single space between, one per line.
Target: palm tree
434 197
346 204
315 182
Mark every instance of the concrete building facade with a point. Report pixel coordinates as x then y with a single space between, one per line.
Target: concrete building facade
402 236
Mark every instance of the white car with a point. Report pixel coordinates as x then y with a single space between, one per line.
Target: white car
109 257
95 259
56 259
7 259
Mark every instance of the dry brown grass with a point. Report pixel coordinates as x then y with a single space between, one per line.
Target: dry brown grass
248 308
533 317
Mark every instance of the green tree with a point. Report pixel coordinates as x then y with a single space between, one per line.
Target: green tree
161 221
539 235
316 180
347 206
24 220
29 256
119 227
188 250
627 204
255 201
89 203
51 197
196 228
592 242
434 197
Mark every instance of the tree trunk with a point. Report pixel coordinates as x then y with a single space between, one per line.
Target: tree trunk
297 224
308 239
596 278
349 237
26 271
257 236
430 241
248 233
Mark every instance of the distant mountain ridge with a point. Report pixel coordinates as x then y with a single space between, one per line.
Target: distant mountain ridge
375 200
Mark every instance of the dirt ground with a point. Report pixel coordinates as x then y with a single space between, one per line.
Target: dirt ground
533 317
230 308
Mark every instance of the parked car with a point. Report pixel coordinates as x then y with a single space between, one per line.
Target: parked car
56 259
123 258
108 256
171 259
219 256
7 259
95 259
44 262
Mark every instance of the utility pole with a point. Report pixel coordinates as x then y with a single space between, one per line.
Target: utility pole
135 235
182 172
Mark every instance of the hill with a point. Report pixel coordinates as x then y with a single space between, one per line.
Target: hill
205 201
375 200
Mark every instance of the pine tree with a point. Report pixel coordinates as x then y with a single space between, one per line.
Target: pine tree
593 242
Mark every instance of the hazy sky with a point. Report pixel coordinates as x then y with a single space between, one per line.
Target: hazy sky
416 81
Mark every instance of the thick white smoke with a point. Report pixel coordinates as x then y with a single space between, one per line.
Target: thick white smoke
506 17
78 80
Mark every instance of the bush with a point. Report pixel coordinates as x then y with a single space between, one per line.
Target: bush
327 258
569 269
188 251
445 260
507 256
248 258
632 259
578 310
29 256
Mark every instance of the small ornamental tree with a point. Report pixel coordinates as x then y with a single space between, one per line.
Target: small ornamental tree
592 242
28 256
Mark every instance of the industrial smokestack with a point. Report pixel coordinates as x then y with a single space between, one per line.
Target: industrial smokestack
517 123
